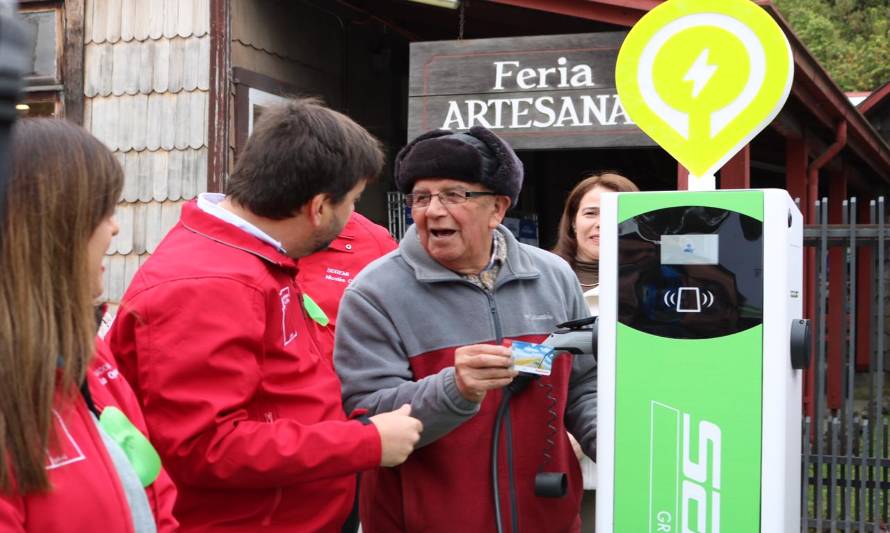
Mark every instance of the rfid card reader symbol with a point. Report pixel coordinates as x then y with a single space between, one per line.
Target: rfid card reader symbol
688 299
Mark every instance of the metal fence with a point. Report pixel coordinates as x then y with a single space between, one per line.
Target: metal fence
396 214
846 464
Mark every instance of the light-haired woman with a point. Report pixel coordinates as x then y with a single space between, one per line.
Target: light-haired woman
579 244
72 439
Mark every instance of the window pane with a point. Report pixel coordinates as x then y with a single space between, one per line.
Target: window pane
36 109
43 25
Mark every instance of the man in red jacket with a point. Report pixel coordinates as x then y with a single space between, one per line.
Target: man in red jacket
324 275
216 342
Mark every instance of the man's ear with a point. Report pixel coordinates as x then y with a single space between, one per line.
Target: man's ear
314 209
501 204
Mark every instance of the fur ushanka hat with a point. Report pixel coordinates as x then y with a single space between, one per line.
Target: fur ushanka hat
477 156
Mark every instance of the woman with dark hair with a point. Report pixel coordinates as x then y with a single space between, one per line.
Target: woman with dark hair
579 244
72 441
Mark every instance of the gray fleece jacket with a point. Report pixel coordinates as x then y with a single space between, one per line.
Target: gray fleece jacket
399 324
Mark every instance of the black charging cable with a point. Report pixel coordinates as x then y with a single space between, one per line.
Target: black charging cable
581 339
503 407
515 387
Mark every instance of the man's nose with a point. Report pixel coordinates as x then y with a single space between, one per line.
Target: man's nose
436 207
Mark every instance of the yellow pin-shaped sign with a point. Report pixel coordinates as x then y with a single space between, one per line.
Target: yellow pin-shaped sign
702 78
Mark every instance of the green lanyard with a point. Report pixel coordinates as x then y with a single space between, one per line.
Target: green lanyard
315 312
142 455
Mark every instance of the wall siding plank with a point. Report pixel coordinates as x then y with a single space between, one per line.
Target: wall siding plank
146 80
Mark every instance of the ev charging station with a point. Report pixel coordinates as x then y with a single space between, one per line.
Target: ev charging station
699 389
701 339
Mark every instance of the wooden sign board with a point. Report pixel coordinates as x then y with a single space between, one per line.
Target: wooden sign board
542 92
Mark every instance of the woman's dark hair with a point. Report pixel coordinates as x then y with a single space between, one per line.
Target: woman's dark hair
298 150
567 242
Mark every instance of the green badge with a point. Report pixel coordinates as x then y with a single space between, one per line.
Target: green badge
142 456
703 77
316 313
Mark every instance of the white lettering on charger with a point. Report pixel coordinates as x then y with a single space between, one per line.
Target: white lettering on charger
698 483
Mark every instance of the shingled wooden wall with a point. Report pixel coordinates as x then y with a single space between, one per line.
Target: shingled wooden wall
146 81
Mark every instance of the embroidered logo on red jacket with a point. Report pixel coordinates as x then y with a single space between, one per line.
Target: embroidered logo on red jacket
338 275
64 451
288 332
105 372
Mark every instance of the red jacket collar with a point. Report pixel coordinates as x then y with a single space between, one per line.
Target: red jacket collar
196 220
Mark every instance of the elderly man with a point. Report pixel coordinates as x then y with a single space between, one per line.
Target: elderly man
431 324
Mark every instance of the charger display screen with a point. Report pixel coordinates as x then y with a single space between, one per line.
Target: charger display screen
690 272
690 249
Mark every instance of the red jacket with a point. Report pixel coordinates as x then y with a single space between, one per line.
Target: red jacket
244 411
325 275
86 490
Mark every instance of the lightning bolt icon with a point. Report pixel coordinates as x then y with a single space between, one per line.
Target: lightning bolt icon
700 73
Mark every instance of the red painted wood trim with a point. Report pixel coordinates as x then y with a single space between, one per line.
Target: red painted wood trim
796 182
622 13
736 173
682 178
864 294
837 193
796 172
875 98
813 172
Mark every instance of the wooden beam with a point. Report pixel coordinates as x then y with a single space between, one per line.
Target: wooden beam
621 13
837 193
864 292
736 173
72 60
874 98
219 113
787 125
796 164
796 172
682 178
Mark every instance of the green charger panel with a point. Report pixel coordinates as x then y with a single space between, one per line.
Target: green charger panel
689 362
696 420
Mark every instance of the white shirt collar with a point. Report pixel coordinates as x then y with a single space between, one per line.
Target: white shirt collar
209 203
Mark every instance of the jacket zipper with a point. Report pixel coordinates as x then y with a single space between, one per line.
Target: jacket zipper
493 308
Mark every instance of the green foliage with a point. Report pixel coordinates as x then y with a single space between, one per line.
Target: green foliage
849 38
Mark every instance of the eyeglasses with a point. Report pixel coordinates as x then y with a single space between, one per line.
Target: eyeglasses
448 197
